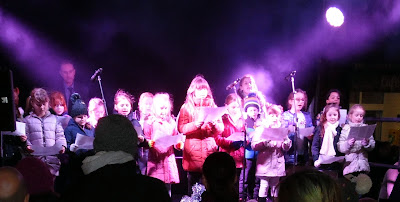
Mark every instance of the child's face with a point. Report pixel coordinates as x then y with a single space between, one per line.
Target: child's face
253 112
81 119
201 93
162 110
99 112
247 86
357 116
332 116
40 108
233 108
123 106
145 105
334 98
299 100
59 109
274 118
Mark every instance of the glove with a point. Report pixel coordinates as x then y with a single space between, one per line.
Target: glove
179 145
73 147
237 144
151 143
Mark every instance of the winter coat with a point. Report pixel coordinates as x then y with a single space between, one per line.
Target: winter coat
46 132
161 162
199 142
226 145
317 142
356 156
270 159
73 129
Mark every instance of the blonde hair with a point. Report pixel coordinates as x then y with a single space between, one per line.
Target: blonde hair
354 107
162 98
198 83
94 103
143 96
232 98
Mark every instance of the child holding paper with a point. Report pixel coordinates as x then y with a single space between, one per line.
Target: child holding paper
199 141
233 123
355 150
270 159
43 129
78 124
296 104
161 160
326 137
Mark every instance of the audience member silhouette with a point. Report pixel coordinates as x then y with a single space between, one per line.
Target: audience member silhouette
12 186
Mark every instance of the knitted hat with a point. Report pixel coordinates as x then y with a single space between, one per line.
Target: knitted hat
115 133
77 106
251 101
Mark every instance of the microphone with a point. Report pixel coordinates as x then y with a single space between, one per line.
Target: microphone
230 86
96 73
292 74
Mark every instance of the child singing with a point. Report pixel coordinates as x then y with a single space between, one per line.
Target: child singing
297 104
270 159
355 150
326 137
199 141
233 123
161 160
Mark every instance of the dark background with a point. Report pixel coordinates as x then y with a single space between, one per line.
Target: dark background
159 46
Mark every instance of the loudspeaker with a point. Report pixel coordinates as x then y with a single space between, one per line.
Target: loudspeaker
7 106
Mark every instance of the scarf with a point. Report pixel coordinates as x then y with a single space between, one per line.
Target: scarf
327 147
103 158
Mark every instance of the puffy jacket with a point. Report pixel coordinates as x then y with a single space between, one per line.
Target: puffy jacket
270 158
226 145
356 156
46 132
161 160
199 142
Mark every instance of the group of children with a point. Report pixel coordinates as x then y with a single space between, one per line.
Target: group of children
247 112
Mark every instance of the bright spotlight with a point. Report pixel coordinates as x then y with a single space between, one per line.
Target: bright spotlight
334 17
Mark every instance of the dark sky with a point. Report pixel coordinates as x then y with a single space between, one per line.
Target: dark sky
161 45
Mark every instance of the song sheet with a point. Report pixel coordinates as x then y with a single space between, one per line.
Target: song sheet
306 132
359 133
46 151
84 142
276 134
209 114
343 116
20 130
168 140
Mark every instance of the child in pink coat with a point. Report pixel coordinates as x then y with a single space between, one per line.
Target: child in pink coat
270 159
161 163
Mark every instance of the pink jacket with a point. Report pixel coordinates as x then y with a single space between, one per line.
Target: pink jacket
270 159
161 163
225 145
199 142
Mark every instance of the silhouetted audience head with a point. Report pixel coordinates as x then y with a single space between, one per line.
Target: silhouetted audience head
309 185
12 186
115 133
37 175
219 176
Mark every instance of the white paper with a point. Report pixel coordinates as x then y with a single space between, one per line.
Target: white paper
306 132
359 133
209 114
20 130
84 142
323 159
46 151
237 136
275 134
343 116
168 140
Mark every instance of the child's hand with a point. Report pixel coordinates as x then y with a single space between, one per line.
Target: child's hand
365 142
62 150
351 142
179 145
317 163
23 138
198 123
151 143
141 138
73 147
29 150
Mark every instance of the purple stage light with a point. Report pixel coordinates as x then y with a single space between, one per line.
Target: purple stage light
334 17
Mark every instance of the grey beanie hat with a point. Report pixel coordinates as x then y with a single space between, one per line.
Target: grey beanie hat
115 133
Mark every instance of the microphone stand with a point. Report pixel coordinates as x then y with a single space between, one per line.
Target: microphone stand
244 140
102 94
296 128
